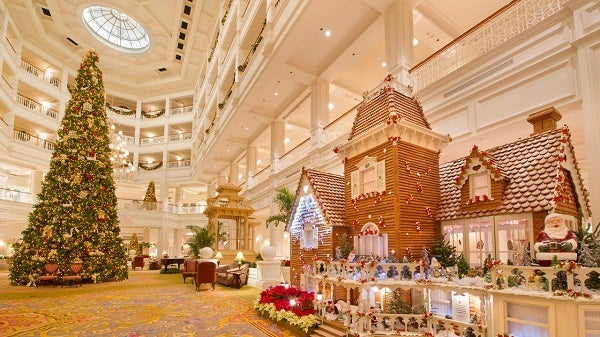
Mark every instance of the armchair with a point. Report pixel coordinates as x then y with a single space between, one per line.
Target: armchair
233 275
189 269
138 261
205 273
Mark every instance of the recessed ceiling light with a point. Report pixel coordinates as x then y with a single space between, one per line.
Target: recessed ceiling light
415 41
276 93
327 33
383 64
286 140
258 162
330 106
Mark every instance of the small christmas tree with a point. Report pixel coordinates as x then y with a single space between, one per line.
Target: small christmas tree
134 245
150 197
586 256
444 252
75 218
463 266
395 303
522 257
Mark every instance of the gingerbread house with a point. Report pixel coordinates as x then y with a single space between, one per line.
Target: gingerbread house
395 196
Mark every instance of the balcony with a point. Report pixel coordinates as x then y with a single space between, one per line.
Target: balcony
24 137
42 75
37 107
496 30
15 195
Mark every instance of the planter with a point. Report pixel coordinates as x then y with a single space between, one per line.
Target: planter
285 325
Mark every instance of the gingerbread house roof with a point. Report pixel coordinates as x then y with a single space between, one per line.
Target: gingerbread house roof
533 169
386 105
483 158
328 191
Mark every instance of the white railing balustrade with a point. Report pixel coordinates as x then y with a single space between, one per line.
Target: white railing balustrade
180 137
141 205
341 126
15 195
37 107
152 140
25 137
179 164
297 153
31 69
181 110
489 34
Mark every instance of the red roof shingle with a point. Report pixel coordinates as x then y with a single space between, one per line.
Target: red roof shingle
385 108
531 166
328 190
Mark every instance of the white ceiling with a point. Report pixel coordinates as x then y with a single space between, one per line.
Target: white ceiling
350 59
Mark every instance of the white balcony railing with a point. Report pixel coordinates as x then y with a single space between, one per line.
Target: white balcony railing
491 33
152 140
181 110
24 137
15 195
179 164
180 137
45 76
37 107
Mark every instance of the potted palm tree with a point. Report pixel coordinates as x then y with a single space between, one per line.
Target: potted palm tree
284 199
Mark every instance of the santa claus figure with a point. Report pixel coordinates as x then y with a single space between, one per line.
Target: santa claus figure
555 240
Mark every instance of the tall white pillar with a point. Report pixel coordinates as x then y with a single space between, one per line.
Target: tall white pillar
319 112
251 153
277 144
35 185
399 49
589 72
234 171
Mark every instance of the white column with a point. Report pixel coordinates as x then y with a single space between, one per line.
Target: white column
319 112
35 185
178 196
399 50
250 166
589 72
234 170
277 144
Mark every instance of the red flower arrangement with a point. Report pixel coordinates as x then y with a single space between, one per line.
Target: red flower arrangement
280 296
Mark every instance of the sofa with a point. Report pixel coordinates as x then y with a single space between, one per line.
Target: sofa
226 274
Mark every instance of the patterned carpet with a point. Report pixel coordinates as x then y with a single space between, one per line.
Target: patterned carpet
147 304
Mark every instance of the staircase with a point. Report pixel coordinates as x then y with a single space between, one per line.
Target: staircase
330 329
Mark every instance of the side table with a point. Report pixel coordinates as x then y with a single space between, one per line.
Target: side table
236 282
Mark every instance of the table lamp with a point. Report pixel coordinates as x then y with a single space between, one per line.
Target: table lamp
239 258
218 256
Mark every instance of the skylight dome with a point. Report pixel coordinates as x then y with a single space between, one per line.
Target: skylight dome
116 29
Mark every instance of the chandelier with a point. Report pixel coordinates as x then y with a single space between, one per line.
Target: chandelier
123 169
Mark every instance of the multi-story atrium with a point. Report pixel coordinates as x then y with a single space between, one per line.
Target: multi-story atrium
205 93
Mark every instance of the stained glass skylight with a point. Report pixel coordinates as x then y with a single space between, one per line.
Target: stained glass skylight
116 29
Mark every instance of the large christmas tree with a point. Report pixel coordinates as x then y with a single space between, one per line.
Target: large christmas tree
75 218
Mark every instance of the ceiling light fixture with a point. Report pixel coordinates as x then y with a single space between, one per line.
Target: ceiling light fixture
286 140
327 33
330 106
383 64
415 42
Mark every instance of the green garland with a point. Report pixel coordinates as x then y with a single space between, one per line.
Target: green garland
153 114
255 45
152 167
121 110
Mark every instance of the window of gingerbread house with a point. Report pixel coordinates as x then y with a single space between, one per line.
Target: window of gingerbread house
370 241
310 236
305 224
370 177
479 185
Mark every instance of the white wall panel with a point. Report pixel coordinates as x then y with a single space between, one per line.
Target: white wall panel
455 124
542 90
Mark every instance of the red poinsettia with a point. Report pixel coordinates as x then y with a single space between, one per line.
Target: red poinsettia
280 296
